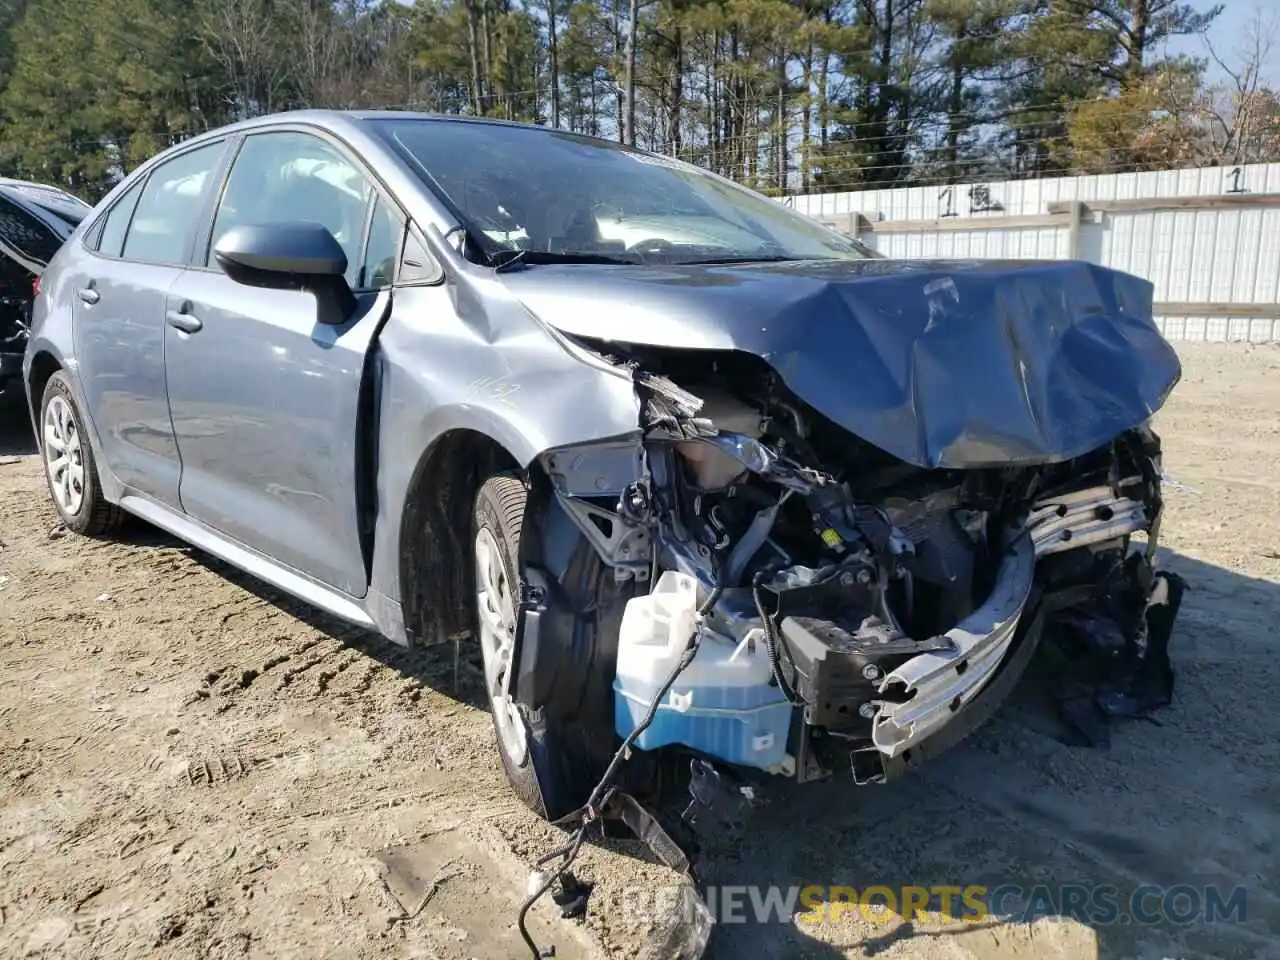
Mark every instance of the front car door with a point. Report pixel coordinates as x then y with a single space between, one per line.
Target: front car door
264 399
135 254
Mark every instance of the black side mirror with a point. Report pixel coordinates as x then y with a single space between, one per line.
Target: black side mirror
290 256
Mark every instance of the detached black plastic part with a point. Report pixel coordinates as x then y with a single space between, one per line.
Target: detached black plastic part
687 930
566 631
716 798
1121 668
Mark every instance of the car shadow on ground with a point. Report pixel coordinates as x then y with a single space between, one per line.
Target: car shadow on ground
16 438
456 673
453 669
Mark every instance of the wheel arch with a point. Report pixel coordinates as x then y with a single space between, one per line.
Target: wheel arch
43 366
435 523
46 359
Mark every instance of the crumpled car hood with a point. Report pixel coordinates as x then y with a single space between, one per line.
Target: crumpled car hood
954 364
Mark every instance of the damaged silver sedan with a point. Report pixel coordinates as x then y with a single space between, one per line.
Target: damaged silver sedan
694 474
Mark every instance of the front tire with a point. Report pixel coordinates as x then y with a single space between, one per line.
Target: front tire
495 536
69 466
548 756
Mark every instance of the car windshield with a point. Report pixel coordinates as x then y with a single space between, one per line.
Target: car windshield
560 196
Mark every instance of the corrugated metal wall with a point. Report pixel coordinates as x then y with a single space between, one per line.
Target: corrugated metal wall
1212 260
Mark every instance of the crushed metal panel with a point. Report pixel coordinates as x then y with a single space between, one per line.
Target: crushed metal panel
595 470
1068 352
940 683
464 355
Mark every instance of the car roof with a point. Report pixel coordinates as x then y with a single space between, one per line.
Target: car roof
340 121
14 182
350 126
321 117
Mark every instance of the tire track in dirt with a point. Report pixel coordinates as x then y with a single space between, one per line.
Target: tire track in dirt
235 800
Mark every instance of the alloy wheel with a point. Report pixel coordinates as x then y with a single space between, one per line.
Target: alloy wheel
496 607
64 455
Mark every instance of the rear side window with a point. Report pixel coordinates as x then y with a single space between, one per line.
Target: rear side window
170 206
116 222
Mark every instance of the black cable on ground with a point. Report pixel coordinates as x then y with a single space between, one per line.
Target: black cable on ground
591 811
568 853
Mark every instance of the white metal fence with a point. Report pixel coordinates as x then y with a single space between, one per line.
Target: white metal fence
1208 239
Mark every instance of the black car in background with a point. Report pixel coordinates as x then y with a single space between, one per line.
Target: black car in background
35 220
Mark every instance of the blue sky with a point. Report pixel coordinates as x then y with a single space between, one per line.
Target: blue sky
1229 32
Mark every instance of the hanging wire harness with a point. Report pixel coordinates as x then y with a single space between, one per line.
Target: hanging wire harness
593 810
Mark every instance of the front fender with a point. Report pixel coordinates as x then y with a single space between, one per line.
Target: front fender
466 356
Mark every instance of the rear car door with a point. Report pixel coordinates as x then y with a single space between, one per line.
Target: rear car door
136 252
264 399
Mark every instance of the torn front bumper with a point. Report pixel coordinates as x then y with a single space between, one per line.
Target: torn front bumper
1085 517
929 691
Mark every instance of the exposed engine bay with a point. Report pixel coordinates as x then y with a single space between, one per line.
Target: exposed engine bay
858 605
856 501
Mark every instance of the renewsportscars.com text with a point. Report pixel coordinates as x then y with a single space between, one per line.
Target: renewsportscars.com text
1101 905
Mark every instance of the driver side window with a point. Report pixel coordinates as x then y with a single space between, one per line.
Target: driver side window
289 177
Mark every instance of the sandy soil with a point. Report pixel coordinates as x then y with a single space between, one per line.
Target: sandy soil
192 765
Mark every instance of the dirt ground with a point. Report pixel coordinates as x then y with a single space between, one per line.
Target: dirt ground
194 766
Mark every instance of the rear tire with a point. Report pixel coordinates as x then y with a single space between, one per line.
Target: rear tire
69 467
549 757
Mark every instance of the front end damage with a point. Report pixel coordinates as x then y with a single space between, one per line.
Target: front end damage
884 598
858 498
844 612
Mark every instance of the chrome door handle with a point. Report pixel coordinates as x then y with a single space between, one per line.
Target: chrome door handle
89 295
186 322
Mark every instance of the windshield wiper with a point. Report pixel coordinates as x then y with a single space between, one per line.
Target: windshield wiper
512 259
745 259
